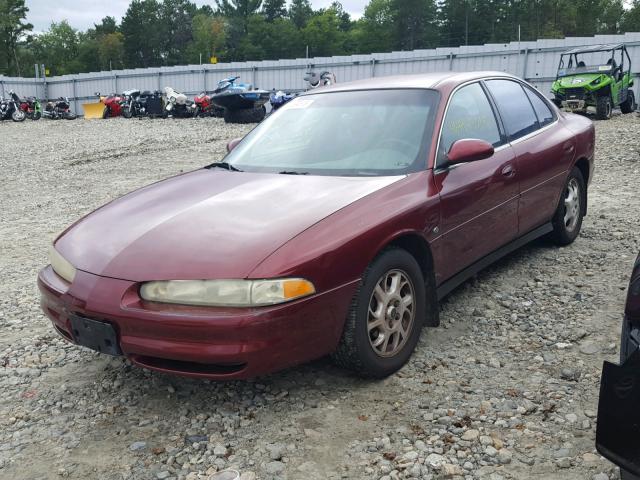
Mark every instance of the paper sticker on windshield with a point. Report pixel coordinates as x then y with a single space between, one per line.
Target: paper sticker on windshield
604 67
301 103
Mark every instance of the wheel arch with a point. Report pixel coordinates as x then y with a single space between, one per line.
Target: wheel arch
416 245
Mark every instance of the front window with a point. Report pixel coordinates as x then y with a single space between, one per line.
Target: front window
359 133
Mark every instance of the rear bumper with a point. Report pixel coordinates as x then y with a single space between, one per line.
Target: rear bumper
203 342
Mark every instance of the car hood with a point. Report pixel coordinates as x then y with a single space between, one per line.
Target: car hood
209 223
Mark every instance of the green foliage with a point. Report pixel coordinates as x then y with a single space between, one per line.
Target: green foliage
12 29
172 32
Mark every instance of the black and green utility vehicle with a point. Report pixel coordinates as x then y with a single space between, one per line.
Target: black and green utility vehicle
595 77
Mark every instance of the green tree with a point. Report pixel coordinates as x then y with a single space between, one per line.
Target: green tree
111 50
414 24
631 19
323 35
208 37
240 10
300 12
58 48
142 30
274 9
175 20
373 32
12 28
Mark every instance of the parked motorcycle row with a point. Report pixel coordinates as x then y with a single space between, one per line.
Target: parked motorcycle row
235 102
19 109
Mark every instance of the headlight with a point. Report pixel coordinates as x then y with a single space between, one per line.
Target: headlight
61 266
227 293
596 81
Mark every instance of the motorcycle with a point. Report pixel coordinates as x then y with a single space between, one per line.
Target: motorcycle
58 109
10 108
112 105
177 104
143 104
324 79
279 98
205 107
31 107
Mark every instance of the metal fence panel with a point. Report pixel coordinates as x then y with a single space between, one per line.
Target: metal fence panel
536 61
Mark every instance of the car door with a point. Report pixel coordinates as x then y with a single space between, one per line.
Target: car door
479 199
544 150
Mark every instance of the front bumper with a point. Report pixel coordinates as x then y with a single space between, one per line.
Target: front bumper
215 343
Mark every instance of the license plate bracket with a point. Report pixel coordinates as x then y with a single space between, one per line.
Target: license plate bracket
96 335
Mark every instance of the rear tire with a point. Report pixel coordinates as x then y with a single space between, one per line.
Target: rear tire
245 115
629 105
105 113
69 116
603 108
390 282
36 116
18 115
625 475
567 220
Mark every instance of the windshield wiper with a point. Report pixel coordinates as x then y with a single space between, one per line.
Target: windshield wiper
225 165
287 172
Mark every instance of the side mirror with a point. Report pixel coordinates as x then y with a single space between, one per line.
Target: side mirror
469 150
232 144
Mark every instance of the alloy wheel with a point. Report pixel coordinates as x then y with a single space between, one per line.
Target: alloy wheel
391 313
572 205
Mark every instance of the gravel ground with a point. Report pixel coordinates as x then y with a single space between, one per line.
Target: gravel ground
505 389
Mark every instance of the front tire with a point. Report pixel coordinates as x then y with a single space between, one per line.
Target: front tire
629 105
567 221
69 116
126 112
385 318
604 108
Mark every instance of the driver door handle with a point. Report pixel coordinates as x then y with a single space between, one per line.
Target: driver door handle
508 171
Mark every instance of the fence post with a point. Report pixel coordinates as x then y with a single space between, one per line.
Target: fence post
2 85
451 61
204 79
115 84
524 66
159 81
373 67
75 96
254 69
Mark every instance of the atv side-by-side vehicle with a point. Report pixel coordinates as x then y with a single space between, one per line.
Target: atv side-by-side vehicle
595 77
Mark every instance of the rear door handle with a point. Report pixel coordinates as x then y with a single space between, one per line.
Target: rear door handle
508 171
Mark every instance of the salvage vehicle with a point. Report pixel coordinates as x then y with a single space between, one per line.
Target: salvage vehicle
333 227
240 101
597 78
618 427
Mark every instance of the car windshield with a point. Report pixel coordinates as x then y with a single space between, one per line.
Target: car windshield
358 133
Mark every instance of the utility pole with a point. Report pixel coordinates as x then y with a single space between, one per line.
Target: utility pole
466 23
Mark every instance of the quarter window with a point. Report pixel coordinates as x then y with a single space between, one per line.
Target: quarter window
514 107
543 112
469 115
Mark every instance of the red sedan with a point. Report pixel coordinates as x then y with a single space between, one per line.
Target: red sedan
334 227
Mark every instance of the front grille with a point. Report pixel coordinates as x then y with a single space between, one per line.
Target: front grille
574 93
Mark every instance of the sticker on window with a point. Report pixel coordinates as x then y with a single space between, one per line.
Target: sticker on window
604 67
300 103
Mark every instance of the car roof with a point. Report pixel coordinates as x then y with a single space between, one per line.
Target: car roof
434 80
603 47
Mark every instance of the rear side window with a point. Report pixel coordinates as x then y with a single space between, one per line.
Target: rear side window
543 112
514 107
469 115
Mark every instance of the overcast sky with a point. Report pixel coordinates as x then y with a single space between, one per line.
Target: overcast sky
82 14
